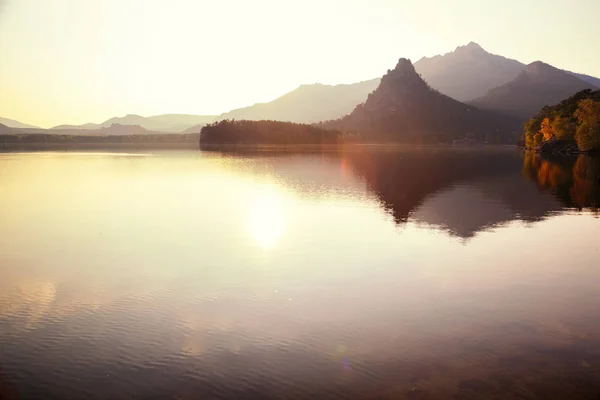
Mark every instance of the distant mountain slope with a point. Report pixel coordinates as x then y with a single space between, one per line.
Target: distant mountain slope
538 85
468 72
589 79
83 126
184 120
308 103
404 108
119 129
5 129
194 129
160 123
11 123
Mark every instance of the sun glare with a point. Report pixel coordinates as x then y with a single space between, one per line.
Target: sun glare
267 218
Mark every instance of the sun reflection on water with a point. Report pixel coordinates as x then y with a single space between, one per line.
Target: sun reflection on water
267 216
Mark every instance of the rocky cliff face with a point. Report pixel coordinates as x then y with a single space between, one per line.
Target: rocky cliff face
404 108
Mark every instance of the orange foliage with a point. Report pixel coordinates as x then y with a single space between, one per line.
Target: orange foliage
550 175
588 132
546 129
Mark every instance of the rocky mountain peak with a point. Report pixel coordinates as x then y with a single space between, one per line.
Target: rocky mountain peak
471 47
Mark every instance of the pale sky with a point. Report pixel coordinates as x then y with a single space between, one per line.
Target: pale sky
78 61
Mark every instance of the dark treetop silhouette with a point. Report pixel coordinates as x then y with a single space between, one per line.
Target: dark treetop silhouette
266 133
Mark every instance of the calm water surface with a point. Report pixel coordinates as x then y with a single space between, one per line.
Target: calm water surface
361 274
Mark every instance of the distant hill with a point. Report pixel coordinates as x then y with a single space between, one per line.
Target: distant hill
308 103
538 85
194 129
159 123
118 129
183 120
404 108
83 126
468 72
11 123
5 129
112 130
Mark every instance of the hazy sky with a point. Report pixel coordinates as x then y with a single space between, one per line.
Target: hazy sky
77 61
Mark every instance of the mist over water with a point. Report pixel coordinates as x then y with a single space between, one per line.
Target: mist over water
407 273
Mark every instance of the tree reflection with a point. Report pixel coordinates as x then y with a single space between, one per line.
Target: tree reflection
574 181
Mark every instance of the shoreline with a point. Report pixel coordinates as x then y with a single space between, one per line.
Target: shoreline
158 145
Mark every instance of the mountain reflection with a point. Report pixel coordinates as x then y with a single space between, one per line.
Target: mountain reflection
462 191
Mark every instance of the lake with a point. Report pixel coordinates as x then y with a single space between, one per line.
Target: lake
364 273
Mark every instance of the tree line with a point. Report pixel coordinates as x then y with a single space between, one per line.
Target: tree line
576 119
266 132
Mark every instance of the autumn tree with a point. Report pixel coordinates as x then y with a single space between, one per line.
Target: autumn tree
563 128
546 129
533 137
588 131
560 121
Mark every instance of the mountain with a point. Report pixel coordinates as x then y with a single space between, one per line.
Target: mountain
308 103
11 123
183 120
404 108
160 123
194 128
468 72
538 85
465 74
83 126
589 79
129 119
5 129
114 129
119 129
